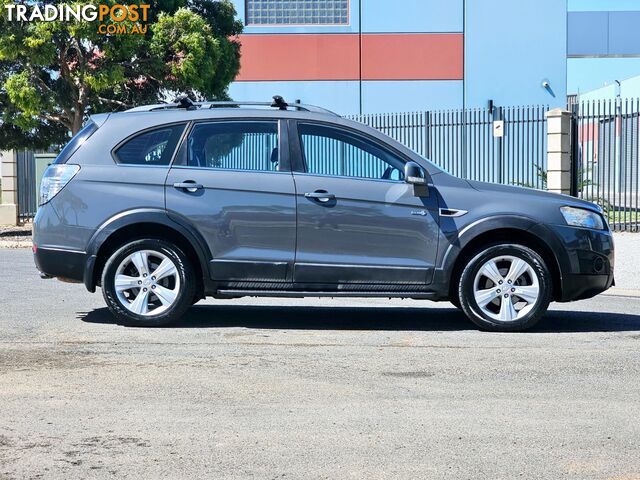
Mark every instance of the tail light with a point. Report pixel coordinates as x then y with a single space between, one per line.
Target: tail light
54 179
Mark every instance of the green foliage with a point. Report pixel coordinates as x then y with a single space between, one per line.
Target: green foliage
54 74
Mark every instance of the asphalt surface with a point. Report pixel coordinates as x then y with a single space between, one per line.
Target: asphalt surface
258 388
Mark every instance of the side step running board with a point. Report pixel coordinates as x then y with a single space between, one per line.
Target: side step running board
299 294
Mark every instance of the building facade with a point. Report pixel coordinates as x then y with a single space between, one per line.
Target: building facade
602 46
373 56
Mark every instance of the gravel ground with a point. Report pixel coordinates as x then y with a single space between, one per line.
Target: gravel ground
314 388
15 237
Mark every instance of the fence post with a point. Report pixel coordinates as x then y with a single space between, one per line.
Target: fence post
9 192
559 151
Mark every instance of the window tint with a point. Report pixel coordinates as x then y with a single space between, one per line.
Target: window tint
76 142
329 151
154 147
235 146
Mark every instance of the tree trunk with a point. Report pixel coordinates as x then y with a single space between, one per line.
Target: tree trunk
76 125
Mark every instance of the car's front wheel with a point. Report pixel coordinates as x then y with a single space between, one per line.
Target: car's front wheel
148 283
505 287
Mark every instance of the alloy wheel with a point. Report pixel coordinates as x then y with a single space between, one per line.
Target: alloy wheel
506 288
147 282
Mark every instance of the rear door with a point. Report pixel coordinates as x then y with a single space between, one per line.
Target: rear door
232 181
358 221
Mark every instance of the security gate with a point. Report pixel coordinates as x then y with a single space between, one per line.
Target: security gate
27 201
497 144
605 157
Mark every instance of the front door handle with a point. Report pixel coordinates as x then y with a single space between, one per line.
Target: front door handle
188 185
321 196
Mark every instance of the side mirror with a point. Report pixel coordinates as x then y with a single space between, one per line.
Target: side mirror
414 174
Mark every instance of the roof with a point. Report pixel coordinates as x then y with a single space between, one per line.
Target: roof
187 104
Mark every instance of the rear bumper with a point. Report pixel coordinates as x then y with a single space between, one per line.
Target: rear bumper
64 264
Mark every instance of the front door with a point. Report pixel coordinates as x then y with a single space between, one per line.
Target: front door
232 181
358 221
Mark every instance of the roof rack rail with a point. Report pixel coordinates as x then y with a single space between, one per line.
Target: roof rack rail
188 104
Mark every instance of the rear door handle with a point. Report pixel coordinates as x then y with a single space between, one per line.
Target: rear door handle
188 185
321 196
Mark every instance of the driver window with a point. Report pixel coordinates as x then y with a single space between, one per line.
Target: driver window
329 151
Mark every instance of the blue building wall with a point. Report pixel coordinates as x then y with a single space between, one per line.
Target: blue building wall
340 97
410 96
511 47
603 45
380 16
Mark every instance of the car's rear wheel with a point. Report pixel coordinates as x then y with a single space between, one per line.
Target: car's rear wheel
505 288
148 283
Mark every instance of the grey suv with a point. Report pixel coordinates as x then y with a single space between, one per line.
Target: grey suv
163 205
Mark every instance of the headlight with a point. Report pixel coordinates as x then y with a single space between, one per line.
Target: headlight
580 217
54 179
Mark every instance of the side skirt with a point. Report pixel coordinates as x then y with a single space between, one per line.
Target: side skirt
306 293
298 290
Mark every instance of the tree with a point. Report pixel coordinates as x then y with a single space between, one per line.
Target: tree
54 74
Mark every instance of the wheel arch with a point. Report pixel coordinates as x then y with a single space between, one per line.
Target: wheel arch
520 230
145 223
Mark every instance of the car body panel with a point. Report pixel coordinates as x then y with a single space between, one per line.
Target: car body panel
247 218
244 226
375 231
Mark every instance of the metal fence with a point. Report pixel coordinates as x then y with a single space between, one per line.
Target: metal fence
26 177
500 144
503 145
605 153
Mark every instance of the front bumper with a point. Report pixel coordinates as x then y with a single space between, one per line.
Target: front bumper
578 287
586 259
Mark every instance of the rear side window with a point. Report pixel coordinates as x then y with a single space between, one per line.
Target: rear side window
153 147
235 146
75 143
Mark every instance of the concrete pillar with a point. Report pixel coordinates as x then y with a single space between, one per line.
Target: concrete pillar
9 193
559 151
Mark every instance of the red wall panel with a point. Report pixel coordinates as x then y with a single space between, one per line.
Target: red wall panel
299 57
424 56
428 56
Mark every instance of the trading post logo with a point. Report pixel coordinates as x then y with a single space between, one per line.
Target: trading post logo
112 19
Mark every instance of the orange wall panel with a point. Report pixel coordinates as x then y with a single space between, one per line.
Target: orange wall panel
299 57
425 56
428 56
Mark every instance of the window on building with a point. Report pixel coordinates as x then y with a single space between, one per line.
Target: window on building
328 151
297 12
235 146
154 147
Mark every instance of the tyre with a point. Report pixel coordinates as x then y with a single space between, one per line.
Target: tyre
505 287
455 301
148 283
